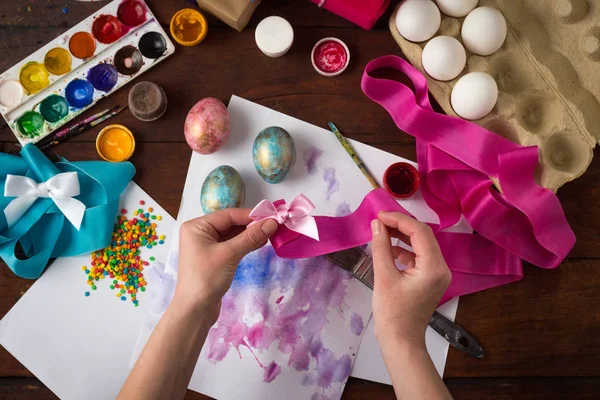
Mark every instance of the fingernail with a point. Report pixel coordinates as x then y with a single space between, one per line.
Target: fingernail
375 227
269 227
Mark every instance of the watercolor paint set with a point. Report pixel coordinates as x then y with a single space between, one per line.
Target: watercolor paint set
90 61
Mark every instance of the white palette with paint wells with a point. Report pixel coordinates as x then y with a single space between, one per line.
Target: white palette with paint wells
88 62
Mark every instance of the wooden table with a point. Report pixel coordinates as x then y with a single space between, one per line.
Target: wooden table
541 335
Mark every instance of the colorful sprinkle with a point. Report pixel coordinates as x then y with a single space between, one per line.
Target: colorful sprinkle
121 261
142 202
87 294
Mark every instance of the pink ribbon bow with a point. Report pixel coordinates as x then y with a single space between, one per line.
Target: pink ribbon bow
295 216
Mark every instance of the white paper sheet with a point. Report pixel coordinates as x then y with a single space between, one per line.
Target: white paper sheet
247 120
80 346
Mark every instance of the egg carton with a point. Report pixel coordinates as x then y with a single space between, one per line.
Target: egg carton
548 77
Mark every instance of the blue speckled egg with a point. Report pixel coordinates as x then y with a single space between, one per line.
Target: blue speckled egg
274 154
223 188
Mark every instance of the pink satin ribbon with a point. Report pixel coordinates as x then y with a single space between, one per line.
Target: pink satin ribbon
456 159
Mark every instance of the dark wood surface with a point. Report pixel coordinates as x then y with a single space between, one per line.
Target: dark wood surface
541 335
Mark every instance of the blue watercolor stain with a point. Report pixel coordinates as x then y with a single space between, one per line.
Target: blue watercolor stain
254 270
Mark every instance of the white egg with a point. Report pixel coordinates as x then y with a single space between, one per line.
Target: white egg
444 58
484 31
418 20
474 95
457 8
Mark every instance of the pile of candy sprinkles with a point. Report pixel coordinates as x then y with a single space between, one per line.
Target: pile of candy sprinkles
121 262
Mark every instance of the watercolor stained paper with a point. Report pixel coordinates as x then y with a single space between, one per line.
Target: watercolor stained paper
288 327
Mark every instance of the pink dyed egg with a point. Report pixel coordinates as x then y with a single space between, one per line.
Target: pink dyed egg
207 126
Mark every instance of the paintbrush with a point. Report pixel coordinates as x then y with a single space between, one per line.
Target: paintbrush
77 125
82 128
360 265
361 166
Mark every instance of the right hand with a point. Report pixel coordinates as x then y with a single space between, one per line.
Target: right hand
404 301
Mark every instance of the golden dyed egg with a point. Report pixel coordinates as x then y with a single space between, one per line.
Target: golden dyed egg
274 154
223 188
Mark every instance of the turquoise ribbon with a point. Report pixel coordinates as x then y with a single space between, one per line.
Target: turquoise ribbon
43 232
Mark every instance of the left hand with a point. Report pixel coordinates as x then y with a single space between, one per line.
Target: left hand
210 249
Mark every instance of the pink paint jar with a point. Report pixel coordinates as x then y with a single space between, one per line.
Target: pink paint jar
330 56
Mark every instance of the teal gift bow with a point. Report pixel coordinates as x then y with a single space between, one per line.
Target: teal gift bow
42 230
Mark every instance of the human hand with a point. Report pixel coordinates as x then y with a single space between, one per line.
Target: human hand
210 249
403 301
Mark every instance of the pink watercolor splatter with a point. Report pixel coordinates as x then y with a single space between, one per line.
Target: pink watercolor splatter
312 288
356 324
333 185
271 372
311 156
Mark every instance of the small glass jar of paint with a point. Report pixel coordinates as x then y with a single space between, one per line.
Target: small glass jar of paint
188 27
330 56
274 36
115 143
147 101
401 180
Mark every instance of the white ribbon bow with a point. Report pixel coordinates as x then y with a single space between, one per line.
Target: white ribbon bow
295 216
60 188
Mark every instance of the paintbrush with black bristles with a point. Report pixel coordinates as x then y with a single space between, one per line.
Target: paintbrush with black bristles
360 265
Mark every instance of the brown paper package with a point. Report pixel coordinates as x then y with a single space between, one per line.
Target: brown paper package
235 13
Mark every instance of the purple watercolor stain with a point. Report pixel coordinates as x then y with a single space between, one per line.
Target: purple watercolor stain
312 287
311 156
333 185
173 261
356 324
343 209
165 293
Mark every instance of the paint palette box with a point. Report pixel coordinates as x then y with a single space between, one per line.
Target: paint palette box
88 62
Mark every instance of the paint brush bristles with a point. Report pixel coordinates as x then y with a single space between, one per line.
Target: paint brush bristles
355 261
363 168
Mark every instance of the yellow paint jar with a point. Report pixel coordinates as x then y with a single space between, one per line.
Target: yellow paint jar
115 143
188 27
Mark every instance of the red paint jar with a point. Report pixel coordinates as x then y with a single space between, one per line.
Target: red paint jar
401 180
330 56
